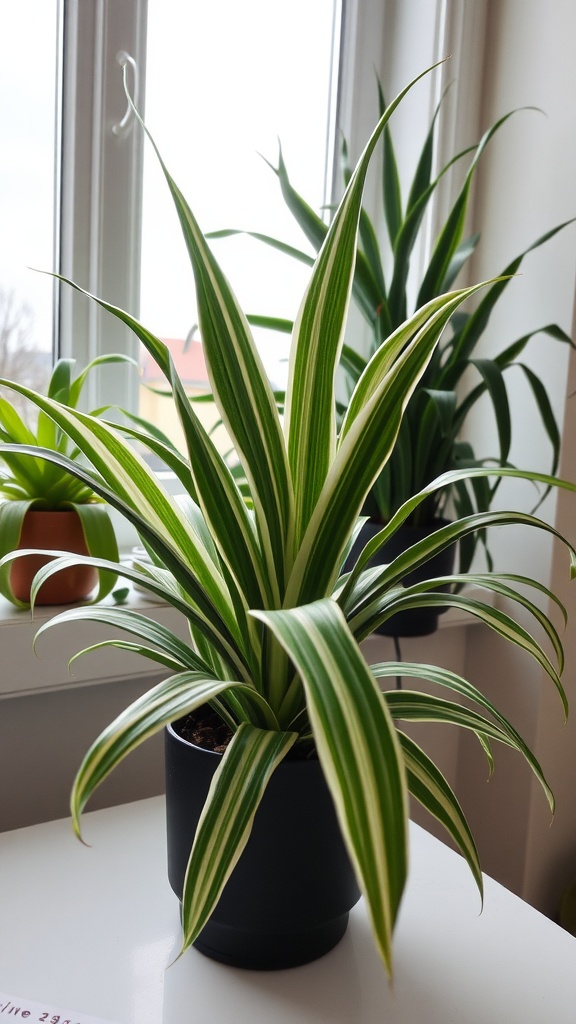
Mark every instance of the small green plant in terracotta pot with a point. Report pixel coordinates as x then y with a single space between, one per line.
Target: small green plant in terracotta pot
274 621
43 507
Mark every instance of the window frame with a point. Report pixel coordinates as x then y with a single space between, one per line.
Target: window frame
100 194
100 188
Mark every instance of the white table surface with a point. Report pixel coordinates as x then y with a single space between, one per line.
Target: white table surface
95 930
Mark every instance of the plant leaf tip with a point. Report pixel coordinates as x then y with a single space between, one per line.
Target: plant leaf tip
79 836
178 957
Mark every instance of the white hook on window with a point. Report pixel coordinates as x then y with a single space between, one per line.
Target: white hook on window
122 127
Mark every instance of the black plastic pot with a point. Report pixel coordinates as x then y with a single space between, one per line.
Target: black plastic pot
288 899
413 621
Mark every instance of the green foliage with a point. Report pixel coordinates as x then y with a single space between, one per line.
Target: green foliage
273 620
430 440
27 481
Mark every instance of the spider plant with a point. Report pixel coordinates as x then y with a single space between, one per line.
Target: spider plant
431 438
28 482
274 623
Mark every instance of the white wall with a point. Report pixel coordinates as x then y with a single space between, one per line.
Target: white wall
550 865
525 186
43 738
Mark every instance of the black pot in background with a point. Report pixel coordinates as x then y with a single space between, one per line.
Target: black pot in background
413 621
288 899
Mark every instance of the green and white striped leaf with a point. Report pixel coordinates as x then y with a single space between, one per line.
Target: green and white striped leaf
166 702
369 434
435 314
226 820
136 624
497 620
460 686
360 594
224 508
214 485
151 581
409 706
150 653
427 785
241 391
461 527
310 425
494 583
147 434
358 750
129 485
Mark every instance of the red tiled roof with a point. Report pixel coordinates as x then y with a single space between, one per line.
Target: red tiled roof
188 359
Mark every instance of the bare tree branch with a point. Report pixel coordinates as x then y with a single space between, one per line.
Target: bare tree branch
20 359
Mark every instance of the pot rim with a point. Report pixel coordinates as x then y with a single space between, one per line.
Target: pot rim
169 727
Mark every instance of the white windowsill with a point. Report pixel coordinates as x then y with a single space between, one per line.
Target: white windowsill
25 672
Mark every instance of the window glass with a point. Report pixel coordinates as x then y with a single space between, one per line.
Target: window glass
221 91
28 93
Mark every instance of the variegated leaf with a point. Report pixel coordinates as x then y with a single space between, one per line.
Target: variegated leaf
166 702
358 750
226 821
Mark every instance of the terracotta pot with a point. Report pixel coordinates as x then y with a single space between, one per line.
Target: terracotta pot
63 532
288 899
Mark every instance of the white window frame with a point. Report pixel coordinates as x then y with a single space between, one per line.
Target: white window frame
396 40
101 187
101 174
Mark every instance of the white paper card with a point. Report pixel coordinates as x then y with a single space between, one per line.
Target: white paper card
15 1008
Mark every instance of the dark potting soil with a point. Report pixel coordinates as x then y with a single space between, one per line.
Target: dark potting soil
206 729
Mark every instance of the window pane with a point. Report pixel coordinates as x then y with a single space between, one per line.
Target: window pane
221 90
29 49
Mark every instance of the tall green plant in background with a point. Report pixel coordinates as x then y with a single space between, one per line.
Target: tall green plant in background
430 440
274 622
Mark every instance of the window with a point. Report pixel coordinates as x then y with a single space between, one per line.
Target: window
28 102
101 171
191 59
199 66
220 84
226 59
217 101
